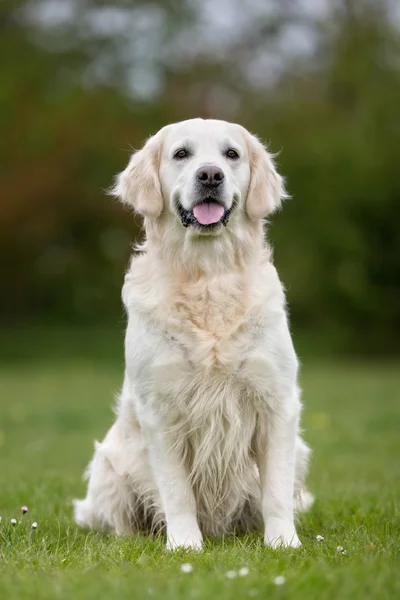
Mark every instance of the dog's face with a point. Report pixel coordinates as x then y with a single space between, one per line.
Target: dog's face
202 173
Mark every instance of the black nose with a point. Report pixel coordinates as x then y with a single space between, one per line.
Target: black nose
210 175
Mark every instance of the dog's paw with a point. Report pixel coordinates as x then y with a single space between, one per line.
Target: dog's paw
188 542
281 534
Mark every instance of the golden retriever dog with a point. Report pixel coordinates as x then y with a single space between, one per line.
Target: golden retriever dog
206 438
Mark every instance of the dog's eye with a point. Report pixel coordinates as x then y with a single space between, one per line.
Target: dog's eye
181 153
231 153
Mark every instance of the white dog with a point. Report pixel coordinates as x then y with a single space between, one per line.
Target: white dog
206 439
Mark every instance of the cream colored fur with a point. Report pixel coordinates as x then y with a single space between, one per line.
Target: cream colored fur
206 439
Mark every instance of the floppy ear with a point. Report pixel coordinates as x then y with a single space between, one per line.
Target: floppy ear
139 185
266 189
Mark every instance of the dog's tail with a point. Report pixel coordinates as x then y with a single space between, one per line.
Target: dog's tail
303 501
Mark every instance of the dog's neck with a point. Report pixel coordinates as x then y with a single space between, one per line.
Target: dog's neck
203 257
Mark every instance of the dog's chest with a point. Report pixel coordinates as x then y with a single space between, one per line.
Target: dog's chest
212 327
201 335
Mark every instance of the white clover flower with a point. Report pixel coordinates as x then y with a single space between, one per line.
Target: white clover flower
34 525
186 568
231 574
319 538
339 548
24 509
280 580
244 571
13 521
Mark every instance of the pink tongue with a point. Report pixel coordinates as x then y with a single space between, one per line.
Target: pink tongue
208 213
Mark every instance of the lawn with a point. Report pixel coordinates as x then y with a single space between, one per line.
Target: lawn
54 403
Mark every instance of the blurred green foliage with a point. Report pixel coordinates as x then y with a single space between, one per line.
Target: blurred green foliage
71 110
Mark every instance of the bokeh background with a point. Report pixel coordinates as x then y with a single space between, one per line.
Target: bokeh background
83 82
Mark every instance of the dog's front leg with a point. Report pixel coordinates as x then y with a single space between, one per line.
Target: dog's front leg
276 463
177 498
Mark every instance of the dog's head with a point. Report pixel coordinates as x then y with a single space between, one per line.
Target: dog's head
204 174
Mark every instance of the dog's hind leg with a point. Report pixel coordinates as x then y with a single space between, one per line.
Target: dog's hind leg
120 493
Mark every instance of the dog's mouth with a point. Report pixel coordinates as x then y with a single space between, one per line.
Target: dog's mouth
206 214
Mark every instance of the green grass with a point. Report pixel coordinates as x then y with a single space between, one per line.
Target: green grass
51 410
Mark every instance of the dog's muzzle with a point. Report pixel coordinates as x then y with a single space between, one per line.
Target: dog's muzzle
206 214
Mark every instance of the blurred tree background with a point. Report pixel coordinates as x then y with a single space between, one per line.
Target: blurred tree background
84 81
